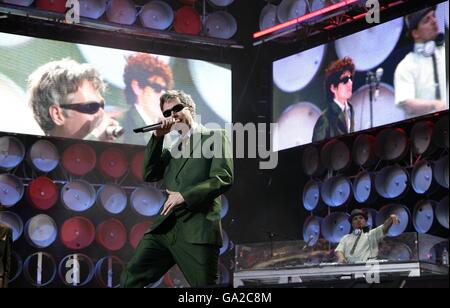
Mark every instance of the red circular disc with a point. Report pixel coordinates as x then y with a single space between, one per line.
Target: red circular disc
42 193
113 162
138 231
111 234
79 159
77 233
52 5
187 21
136 165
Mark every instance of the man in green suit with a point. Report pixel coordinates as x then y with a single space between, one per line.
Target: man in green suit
196 172
145 77
5 254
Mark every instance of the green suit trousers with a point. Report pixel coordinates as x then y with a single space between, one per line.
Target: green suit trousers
158 251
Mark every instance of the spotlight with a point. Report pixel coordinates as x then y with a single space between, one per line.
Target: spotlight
92 8
146 201
41 231
402 213
79 159
58 6
121 12
43 156
156 15
289 9
268 16
12 152
112 198
187 21
113 162
220 24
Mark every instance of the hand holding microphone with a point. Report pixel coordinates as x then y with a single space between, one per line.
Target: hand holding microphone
115 131
166 127
163 127
107 129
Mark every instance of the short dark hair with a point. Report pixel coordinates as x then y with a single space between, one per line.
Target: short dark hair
334 72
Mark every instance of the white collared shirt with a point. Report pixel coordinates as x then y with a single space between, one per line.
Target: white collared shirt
143 115
414 77
184 139
367 247
346 110
340 105
189 133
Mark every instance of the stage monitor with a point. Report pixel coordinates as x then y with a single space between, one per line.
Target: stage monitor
55 88
393 80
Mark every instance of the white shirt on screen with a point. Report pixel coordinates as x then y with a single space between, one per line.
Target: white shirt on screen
143 115
414 77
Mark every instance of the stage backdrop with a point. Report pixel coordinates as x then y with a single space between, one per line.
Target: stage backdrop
298 80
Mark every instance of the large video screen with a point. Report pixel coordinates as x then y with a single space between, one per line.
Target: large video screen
316 94
100 92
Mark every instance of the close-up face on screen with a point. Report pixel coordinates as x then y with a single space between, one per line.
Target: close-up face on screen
74 91
388 73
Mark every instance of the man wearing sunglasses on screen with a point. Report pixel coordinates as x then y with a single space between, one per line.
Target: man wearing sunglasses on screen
187 230
419 79
337 118
66 99
146 77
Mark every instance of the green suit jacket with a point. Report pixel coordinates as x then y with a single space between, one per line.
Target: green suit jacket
331 123
201 182
5 250
131 120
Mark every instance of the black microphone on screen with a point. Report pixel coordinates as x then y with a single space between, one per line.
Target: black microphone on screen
378 74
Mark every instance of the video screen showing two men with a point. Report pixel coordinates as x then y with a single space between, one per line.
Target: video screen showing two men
388 73
87 92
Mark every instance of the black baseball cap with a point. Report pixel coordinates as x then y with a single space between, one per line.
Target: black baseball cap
358 212
412 20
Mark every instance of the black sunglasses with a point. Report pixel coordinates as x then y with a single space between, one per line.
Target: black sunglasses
156 87
345 79
89 107
177 108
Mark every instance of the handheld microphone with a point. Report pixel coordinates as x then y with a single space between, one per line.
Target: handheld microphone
148 128
369 77
115 131
378 74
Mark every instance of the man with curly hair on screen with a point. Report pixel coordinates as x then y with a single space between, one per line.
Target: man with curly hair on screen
146 78
338 118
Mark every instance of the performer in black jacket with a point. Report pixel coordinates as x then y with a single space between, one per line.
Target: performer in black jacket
337 119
